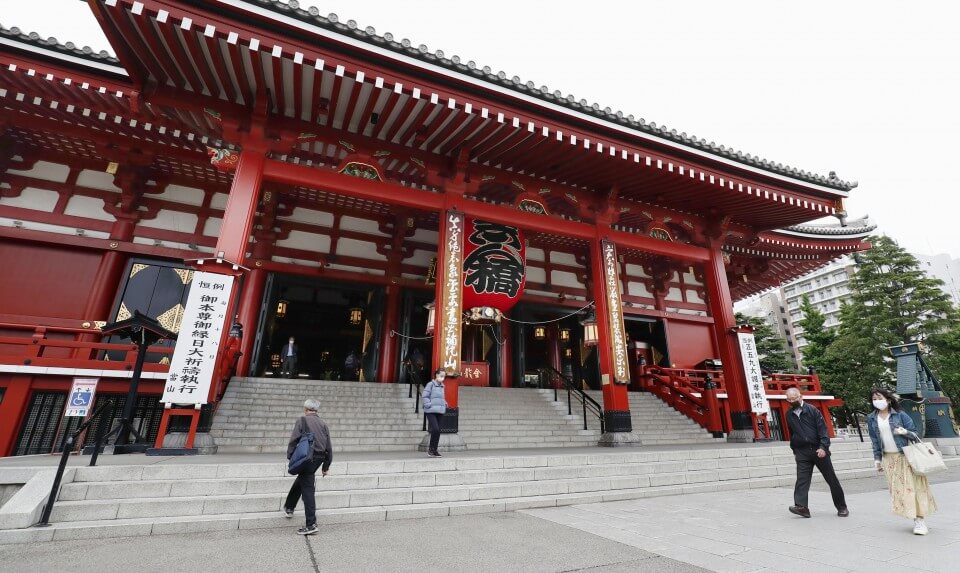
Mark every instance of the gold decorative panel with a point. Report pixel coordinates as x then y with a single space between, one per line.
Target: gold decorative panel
124 313
136 269
171 318
185 275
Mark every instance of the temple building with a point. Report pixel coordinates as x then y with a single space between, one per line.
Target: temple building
381 203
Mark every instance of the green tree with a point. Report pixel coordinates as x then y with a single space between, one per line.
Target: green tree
896 301
850 366
770 346
818 337
893 302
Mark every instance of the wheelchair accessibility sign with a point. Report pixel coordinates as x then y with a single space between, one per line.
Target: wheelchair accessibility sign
81 397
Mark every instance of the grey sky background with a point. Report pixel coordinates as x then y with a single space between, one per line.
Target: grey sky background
870 90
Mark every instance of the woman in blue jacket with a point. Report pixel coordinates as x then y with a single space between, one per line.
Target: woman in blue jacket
435 406
890 429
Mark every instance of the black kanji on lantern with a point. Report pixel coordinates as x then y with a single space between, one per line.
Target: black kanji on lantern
495 266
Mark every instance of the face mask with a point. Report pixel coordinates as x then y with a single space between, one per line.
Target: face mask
880 404
440 377
796 405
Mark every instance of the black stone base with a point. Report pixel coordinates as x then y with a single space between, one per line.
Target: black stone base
173 452
742 431
450 422
617 421
131 448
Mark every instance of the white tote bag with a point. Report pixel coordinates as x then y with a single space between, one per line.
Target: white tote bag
923 457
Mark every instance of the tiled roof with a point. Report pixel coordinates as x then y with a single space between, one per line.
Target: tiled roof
470 68
455 63
859 226
51 43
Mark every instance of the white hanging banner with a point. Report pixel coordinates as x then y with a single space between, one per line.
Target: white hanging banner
751 368
198 342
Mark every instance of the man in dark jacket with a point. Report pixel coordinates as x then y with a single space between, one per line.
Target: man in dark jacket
811 447
305 484
289 354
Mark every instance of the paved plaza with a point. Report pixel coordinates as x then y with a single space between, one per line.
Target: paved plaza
737 531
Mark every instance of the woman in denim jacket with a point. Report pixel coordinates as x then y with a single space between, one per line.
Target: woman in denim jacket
890 429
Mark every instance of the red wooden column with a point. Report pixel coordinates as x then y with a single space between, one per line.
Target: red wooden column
447 326
234 239
721 307
618 429
249 313
387 372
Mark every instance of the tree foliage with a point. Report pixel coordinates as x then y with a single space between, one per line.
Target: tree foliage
770 346
893 302
818 337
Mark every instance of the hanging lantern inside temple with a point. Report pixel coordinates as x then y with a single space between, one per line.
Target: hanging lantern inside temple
590 334
356 315
539 332
282 308
494 269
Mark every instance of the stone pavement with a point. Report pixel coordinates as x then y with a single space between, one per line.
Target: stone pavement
751 531
482 543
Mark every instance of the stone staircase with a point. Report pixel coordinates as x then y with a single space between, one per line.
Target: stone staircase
153 499
256 415
659 424
496 418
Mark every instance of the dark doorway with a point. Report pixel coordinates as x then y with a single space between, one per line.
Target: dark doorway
549 337
415 345
336 326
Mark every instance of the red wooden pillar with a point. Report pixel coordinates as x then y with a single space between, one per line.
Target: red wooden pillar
735 382
250 300
506 354
13 408
389 344
616 402
234 239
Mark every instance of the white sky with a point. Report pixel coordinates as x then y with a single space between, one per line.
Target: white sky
867 89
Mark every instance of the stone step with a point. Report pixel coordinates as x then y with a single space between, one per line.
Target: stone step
271 518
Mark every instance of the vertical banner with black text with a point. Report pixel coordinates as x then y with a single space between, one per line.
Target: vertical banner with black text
751 368
201 329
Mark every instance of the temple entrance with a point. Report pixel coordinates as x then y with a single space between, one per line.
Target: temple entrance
336 327
548 337
414 345
647 343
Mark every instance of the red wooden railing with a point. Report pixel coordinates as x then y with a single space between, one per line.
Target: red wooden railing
695 393
34 347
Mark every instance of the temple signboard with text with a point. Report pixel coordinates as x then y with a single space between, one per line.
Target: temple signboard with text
201 329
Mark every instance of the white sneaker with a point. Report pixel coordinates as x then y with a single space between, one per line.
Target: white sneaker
920 528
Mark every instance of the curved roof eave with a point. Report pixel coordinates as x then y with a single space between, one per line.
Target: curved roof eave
290 14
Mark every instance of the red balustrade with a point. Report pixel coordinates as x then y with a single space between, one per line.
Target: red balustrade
35 347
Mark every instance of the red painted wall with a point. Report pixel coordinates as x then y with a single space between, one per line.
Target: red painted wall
44 280
689 342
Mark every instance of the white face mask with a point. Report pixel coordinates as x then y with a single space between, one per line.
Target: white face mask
880 404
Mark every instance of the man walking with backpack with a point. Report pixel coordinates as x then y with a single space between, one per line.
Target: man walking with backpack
316 452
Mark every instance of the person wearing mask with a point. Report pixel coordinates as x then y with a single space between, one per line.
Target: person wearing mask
305 484
890 430
434 407
811 447
289 355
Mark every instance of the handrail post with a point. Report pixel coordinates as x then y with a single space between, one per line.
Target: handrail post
584 414
569 407
67 446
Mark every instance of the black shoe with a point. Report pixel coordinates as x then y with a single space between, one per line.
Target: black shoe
288 512
800 510
843 512
308 530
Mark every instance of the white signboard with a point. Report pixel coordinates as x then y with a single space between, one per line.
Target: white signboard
194 358
751 367
80 398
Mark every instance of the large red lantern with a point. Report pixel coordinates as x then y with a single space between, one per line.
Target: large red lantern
494 265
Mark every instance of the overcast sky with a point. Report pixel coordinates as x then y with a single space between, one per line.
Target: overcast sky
870 90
